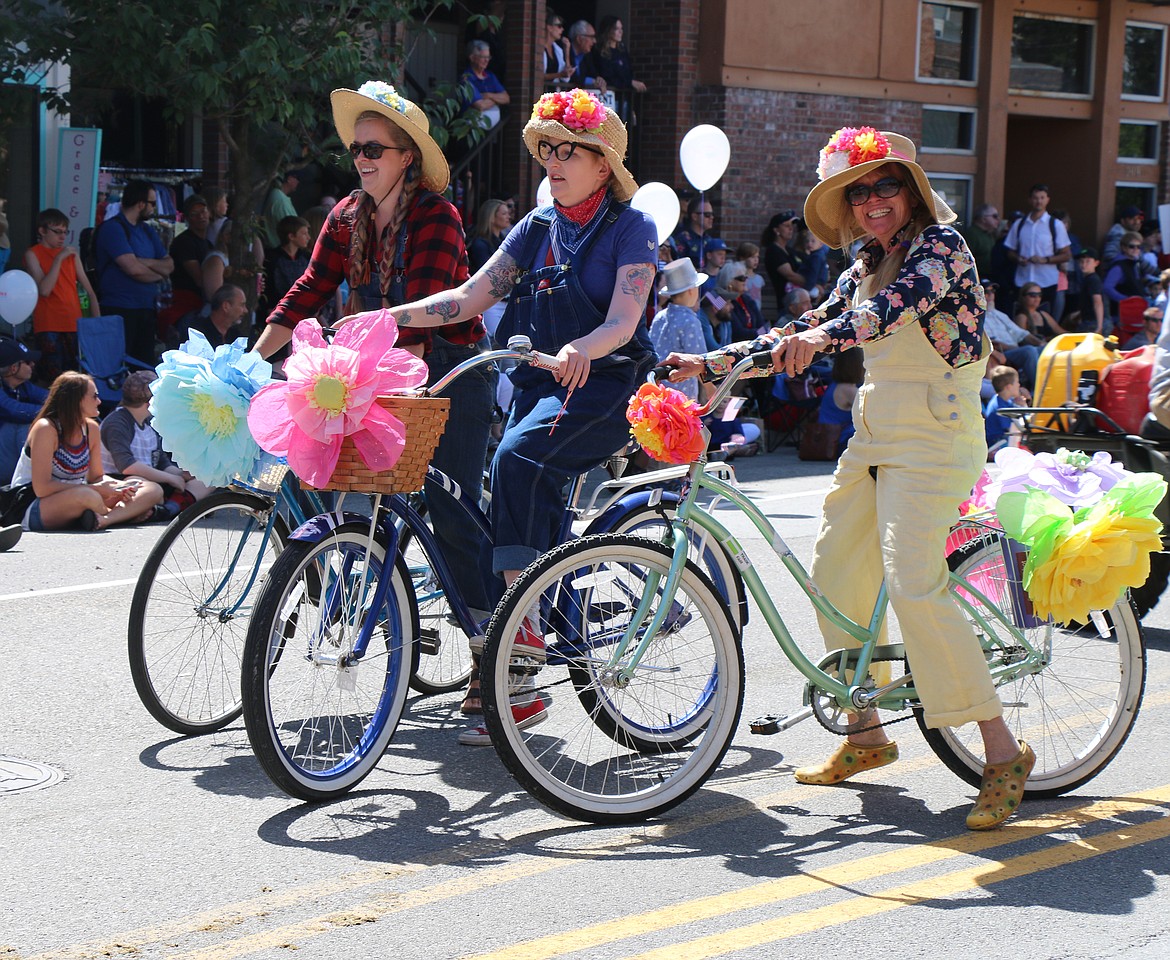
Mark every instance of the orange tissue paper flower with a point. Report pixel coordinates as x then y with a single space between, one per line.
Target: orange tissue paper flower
666 423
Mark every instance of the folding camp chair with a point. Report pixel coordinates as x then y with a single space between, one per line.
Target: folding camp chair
797 404
101 349
1131 317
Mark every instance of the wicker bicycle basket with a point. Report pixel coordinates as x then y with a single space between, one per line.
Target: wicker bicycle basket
424 419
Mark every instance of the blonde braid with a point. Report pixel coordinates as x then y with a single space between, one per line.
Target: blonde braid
412 179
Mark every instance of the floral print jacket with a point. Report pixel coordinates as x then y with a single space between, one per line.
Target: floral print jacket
938 287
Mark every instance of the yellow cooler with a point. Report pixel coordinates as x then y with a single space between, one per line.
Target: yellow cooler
1059 371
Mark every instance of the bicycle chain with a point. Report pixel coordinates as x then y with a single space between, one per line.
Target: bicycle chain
873 726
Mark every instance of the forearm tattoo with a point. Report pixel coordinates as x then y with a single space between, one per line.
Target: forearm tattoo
447 309
502 274
613 324
637 281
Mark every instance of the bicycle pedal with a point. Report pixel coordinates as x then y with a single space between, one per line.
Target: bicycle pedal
765 726
428 642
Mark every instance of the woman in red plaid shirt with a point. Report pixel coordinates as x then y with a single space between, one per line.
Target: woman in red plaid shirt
397 240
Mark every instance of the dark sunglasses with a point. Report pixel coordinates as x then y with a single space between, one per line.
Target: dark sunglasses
371 150
884 188
740 279
1132 246
563 151
1032 293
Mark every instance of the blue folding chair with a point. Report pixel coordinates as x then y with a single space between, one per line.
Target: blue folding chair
101 350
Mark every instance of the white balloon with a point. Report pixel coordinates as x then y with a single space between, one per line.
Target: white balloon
18 296
660 204
704 153
544 193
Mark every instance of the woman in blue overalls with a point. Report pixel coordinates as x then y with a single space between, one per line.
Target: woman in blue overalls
576 276
394 239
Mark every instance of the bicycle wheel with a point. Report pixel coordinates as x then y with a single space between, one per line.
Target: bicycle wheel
317 720
605 748
442 658
1077 712
189 614
711 558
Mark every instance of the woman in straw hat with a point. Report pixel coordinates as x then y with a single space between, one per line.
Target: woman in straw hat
397 239
913 300
576 276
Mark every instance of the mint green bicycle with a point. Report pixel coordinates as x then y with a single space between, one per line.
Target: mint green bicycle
643 672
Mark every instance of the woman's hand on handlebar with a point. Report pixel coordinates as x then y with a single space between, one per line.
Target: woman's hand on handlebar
794 353
685 366
572 367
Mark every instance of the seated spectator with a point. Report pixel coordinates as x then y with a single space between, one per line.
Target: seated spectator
747 322
1123 277
1089 317
57 270
1129 220
188 250
796 303
586 73
678 328
558 65
811 261
1148 334
20 400
697 226
291 258
714 259
131 447
779 262
62 461
1015 346
837 401
490 94
1000 429
222 323
748 254
1032 317
613 60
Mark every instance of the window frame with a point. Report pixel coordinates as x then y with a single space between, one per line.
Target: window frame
1092 46
1148 161
969 190
1161 96
970 5
972 112
1143 185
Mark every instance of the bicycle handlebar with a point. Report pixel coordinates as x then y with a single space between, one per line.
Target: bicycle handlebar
761 360
519 348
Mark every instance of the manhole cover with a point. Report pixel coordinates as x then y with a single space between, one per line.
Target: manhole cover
17 775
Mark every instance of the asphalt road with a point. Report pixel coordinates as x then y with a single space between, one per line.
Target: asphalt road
152 845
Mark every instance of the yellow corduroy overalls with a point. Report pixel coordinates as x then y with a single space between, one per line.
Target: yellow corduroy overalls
918 421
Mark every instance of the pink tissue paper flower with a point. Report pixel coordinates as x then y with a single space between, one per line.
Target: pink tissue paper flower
331 394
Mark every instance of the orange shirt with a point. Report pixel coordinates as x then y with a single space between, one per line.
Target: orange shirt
58 312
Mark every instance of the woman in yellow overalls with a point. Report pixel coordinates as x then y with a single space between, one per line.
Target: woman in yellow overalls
912 299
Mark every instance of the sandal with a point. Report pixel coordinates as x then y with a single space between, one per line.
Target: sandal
472 705
1002 790
846 761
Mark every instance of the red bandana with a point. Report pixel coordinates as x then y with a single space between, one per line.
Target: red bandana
581 213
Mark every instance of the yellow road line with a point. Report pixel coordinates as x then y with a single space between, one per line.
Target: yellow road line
844 874
921 891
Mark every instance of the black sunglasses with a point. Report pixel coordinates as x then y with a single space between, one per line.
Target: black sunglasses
563 151
740 279
1132 246
372 150
884 188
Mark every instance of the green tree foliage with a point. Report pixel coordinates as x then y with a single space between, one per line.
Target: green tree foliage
261 70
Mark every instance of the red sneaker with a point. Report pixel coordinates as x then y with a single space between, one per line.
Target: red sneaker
527 715
529 643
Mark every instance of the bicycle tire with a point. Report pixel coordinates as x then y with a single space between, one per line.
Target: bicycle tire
448 668
712 559
319 725
184 656
562 761
1077 712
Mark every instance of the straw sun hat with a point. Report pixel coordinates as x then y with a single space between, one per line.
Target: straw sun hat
850 154
374 96
575 116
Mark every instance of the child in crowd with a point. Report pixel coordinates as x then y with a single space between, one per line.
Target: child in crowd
749 255
291 258
677 328
57 270
1001 430
133 448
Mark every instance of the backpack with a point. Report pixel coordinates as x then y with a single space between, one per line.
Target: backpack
88 248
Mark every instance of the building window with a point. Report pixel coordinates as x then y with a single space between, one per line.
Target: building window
947 34
956 191
1143 195
948 129
1138 141
1052 55
1145 58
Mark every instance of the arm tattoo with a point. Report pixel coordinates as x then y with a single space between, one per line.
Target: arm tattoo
501 274
614 323
447 309
636 282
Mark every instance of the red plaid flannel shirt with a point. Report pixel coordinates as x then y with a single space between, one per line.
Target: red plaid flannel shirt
436 260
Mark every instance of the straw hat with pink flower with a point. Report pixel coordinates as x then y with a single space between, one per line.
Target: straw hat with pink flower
574 116
850 154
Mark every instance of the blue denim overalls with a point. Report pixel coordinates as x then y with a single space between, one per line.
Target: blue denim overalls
462 449
535 461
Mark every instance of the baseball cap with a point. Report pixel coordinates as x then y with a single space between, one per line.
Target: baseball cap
784 216
714 244
988 284
1131 211
13 351
1088 252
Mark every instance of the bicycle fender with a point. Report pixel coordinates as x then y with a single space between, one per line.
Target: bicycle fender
316 528
638 498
